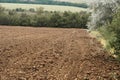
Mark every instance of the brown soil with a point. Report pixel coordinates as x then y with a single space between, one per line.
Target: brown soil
53 54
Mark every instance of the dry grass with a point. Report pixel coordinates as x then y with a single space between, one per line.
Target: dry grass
46 7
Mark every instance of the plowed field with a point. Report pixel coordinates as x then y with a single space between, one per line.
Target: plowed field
53 54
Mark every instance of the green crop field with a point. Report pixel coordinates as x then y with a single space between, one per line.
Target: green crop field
46 7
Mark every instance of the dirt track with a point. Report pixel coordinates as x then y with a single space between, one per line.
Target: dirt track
53 54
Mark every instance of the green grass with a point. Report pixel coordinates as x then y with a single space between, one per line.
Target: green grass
46 7
97 35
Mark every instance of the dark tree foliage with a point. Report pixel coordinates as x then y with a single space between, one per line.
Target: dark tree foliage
115 28
42 18
111 33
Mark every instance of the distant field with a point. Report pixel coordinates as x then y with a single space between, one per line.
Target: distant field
46 7
73 1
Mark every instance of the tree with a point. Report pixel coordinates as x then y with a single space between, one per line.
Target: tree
1 9
55 19
12 12
105 18
115 28
111 33
32 10
24 19
42 21
102 12
40 10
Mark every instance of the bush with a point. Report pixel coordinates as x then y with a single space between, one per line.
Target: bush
111 33
41 18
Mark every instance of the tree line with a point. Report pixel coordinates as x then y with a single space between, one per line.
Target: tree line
41 18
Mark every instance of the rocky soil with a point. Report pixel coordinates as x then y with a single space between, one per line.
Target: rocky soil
28 53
